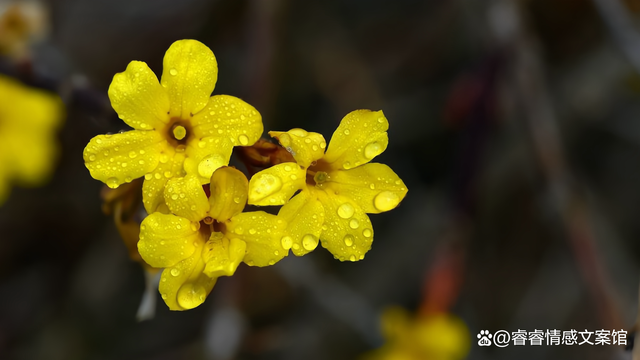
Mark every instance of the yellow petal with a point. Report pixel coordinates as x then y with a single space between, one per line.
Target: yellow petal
119 158
185 197
306 147
167 239
184 286
230 117
222 256
206 156
347 232
25 109
169 166
32 157
375 187
276 185
361 136
263 234
189 75
304 215
228 193
138 98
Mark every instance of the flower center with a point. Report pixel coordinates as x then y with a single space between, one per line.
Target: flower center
178 132
320 177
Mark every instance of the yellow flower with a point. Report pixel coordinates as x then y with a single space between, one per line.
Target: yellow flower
28 148
338 188
179 128
21 23
427 337
207 238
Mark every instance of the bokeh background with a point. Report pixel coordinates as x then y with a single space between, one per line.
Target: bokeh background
514 123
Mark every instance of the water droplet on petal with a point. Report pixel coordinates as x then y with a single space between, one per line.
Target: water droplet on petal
112 182
386 201
264 185
244 140
372 186
354 224
352 258
346 165
132 154
175 272
346 210
252 231
347 132
209 164
286 242
92 157
173 72
309 242
271 262
287 168
195 226
372 150
190 295
366 233
348 240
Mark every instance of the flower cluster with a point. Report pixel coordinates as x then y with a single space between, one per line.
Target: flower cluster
197 229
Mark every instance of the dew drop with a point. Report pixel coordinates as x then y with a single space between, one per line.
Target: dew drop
354 224
190 296
112 182
157 176
98 141
372 150
92 157
244 140
264 185
173 72
175 272
347 132
348 240
372 186
287 168
286 242
386 201
352 258
195 226
174 197
209 164
346 210
309 242
252 231
315 147
132 154
346 165
271 262
366 233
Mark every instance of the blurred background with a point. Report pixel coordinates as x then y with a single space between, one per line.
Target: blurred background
514 123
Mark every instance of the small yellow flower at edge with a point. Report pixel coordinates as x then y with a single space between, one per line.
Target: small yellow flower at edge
207 238
179 128
438 336
339 187
28 148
